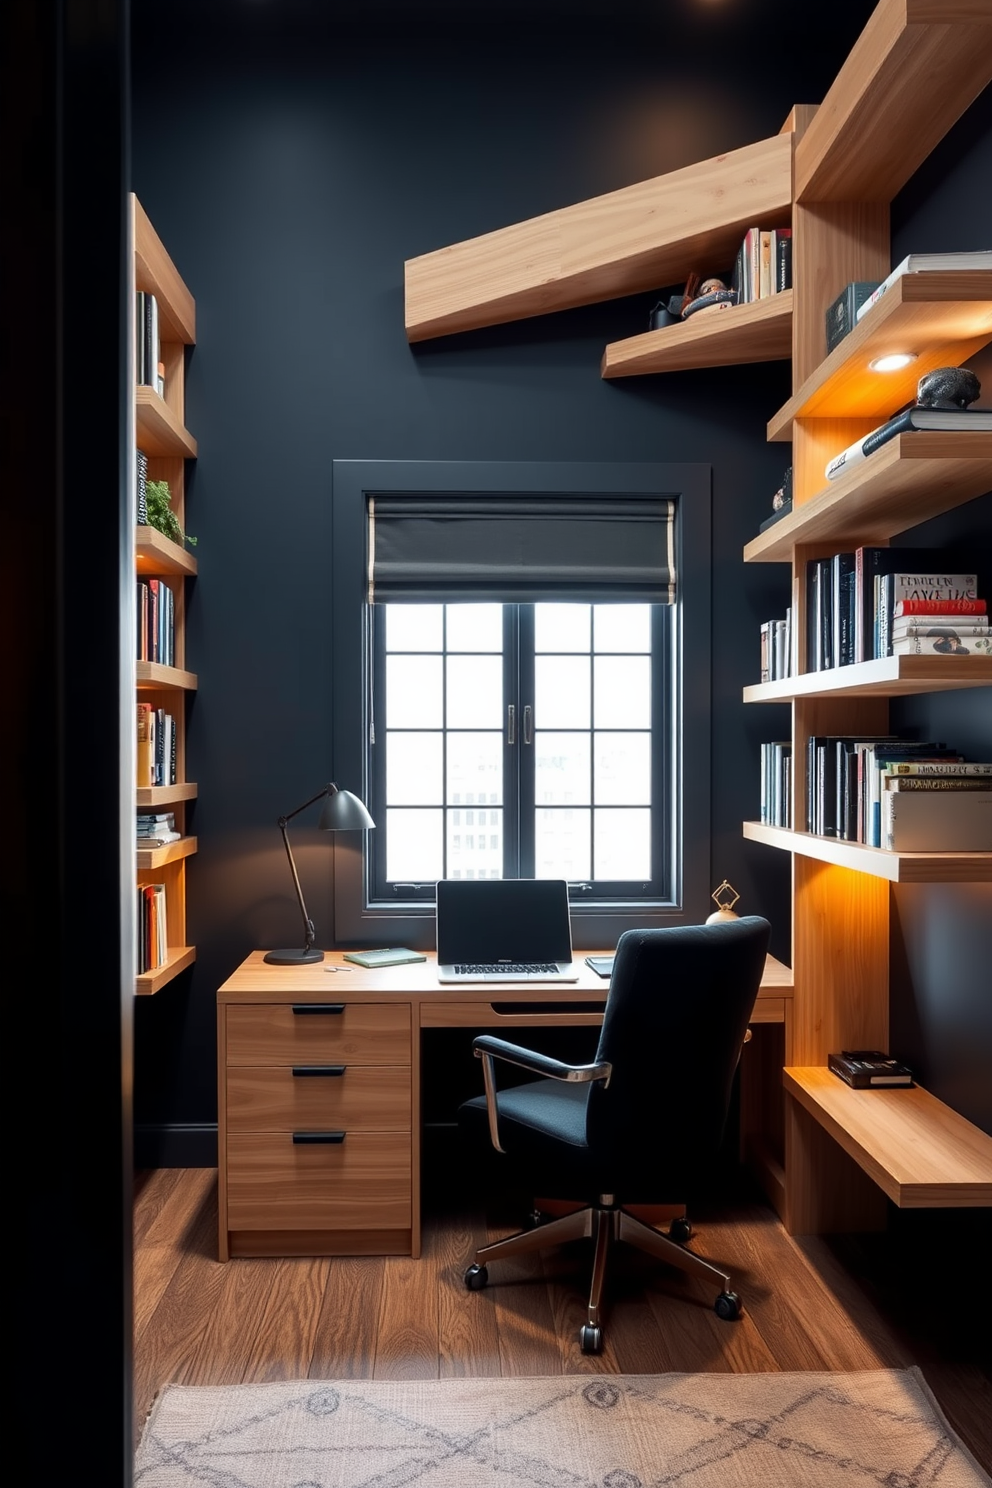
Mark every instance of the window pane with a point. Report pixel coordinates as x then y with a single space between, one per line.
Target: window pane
475 692
623 691
561 843
475 627
623 769
621 627
475 854
561 769
414 769
475 771
413 692
413 846
561 627
623 844
561 692
411 627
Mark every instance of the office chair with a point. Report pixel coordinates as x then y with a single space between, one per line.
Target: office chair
638 1124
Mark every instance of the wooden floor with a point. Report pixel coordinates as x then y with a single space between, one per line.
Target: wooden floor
918 1295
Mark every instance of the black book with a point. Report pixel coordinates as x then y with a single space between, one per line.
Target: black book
776 516
141 482
865 1069
842 608
782 267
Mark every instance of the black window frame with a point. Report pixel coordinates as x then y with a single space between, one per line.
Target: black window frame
358 919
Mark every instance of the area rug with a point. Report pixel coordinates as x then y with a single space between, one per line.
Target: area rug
568 1431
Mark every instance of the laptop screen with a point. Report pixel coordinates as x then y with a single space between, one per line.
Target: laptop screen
498 919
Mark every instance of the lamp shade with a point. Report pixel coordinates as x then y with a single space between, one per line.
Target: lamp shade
343 812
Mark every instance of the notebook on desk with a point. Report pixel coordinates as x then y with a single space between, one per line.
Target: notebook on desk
504 930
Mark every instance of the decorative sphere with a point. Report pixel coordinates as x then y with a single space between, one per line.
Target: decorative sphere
720 914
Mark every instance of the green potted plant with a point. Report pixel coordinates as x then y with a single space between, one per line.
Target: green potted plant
161 515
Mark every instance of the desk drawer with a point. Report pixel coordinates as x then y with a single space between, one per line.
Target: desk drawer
364 1183
313 1033
363 1097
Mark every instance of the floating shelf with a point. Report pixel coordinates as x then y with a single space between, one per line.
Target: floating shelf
758 332
154 553
150 982
911 478
157 857
930 867
943 317
155 273
921 1154
163 795
642 236
154 674
887 676
159 431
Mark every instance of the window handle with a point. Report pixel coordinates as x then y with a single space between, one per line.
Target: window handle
511 723
528 724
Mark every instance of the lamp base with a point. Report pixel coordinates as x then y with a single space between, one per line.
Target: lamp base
292 958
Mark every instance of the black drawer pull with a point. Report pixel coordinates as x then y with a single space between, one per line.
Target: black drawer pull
300 1071
300 1008
313 1139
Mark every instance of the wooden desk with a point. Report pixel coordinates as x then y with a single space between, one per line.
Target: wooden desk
319 1125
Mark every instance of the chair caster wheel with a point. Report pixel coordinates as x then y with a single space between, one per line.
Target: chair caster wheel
728 1306
680 1230
476 1277
590 1338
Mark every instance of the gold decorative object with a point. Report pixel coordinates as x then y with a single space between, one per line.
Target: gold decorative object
724 897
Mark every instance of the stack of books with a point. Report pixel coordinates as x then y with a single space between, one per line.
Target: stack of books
763 265
152 929
776 648
929 614
776 783
156 829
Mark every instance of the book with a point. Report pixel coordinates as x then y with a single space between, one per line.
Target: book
601 965
901 423
842 609
931 625
782 259
936 821
939 607
921 263
841 316
161 840
764 265
942 767
863 1069
390 956
933 782
141 484
977 644
144 759
872 561
776 516
900 585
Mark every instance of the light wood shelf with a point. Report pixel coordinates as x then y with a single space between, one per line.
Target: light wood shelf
173 679
758 332
911 74
155 273
146 796
941 317
157 857
147 983
160 432
905 867
887 676
638 238
906 481
919 1152
154 553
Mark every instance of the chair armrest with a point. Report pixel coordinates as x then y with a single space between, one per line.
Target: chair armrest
487 1046
488 1049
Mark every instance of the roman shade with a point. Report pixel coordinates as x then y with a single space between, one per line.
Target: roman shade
520 548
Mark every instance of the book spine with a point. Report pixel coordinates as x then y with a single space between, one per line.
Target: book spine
764 265
783 259
141 482
143 771
939 607
884 287
941 767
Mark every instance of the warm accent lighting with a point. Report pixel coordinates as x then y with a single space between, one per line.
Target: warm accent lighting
894 362
341 812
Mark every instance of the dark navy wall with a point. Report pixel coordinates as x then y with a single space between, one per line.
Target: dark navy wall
291 165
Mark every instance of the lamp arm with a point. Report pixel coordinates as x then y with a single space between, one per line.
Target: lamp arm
309 931
329 790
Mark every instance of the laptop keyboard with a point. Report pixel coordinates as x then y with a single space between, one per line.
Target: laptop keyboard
506 968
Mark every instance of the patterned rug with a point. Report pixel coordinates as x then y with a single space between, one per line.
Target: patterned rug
569 1431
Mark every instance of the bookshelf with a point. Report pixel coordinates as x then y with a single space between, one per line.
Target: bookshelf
160 431
829 1158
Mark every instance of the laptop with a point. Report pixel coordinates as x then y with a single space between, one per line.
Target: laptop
504 930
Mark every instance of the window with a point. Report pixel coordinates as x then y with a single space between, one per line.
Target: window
521 657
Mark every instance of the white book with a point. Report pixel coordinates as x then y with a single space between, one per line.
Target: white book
945 645
937 821
901 423
917 263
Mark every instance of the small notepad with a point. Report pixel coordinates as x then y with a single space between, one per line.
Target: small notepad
392 956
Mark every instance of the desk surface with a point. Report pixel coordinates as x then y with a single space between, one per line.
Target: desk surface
256 981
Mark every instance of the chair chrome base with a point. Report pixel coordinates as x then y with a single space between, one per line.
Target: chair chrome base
604 1223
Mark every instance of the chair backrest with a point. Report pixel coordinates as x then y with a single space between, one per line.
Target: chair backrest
675 1020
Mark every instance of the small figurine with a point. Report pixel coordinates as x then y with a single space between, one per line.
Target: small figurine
947 387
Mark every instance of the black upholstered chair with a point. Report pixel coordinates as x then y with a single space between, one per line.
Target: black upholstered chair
638 1124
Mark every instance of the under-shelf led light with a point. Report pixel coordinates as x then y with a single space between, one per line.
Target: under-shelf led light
894 362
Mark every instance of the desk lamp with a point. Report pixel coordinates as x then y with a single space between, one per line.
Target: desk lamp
341 812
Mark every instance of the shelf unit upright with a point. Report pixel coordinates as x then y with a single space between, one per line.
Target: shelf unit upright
847 1152
160 431
831 174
